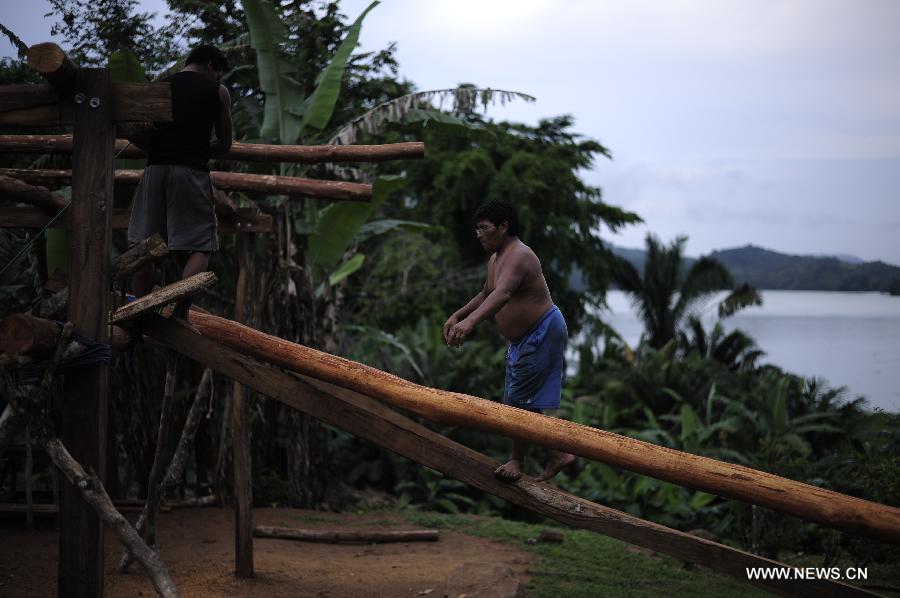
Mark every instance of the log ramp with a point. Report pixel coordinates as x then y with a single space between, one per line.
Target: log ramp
232 349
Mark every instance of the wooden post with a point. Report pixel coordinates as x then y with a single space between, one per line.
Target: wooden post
240 431
85 408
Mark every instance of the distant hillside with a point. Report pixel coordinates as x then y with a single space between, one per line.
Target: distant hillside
765 269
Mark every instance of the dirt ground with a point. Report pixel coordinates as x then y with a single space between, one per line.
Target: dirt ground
198 547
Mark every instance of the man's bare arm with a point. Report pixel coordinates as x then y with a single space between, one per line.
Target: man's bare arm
223 124
464 311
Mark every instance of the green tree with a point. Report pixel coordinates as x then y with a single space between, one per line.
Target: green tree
665 295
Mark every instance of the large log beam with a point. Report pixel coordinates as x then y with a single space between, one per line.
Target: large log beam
40 105
826 507
228 181
243 221
248 152
373 421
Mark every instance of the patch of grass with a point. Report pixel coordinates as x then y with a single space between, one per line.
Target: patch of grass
587 564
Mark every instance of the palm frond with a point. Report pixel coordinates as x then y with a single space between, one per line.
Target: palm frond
462 100
741 297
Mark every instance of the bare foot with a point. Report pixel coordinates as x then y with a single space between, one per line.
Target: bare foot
509 471
556 463
182 321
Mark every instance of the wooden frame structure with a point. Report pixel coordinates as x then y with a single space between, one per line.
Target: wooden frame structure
86 99
340 392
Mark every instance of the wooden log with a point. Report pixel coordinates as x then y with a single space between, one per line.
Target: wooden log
244 220
247 152
40 105
40 197
84 414
24 334
51 61
371 420
228 181
168 294
143 253
147 522
188 433
240 433
176 466
808 502
342 536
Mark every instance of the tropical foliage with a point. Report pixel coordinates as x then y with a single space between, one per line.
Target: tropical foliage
374 282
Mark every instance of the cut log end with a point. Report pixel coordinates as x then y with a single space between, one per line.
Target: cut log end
46 58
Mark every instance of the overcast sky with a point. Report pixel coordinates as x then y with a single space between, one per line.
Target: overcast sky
771 122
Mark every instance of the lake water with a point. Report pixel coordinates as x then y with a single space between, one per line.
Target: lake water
849 339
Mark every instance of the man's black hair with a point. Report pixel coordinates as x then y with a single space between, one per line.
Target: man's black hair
205 54
498 211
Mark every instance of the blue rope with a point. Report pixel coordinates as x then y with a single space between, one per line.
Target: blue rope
95 354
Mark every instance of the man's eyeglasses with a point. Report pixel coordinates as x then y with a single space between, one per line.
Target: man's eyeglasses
483 228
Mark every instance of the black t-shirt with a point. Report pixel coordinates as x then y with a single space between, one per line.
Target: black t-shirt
185 140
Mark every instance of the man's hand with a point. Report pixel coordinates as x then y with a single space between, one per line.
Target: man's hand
458 333
450 323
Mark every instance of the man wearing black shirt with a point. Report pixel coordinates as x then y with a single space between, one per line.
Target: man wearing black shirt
174 197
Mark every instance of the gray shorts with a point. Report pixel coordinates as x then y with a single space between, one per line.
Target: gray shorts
176 202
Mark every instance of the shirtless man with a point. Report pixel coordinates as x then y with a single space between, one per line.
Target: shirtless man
516 295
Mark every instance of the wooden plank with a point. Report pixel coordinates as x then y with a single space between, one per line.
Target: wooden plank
829 508
39 105
168 294
227 181
240 432
240 222
343 536
84 411
247 152
371 420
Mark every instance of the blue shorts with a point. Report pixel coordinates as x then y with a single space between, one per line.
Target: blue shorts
534 364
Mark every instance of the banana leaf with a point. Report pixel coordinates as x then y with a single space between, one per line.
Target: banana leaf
328 87
339 223
282 92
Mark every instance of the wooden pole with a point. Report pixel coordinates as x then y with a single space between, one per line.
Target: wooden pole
228 181
247 152
84 411
40 197
808 502
241 221
240 431
371 420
